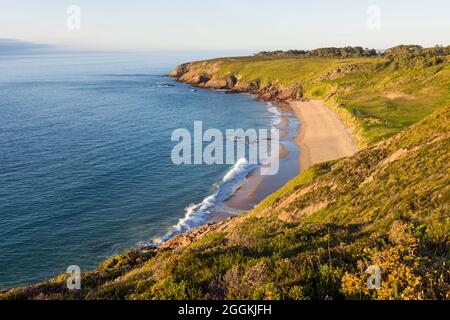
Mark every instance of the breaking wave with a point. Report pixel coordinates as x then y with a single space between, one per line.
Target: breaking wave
197 214
277 116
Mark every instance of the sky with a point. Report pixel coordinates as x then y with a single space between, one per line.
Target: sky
238 25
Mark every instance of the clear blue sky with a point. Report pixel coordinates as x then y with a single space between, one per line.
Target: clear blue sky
247 25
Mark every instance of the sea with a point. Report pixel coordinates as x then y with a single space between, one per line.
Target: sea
85 157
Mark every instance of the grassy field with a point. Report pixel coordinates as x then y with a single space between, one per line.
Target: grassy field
377 96
283 70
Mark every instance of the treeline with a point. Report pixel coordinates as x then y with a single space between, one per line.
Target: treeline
282 53
402 54
412 55
346 52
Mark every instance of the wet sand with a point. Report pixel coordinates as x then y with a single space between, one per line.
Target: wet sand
258 187
321 137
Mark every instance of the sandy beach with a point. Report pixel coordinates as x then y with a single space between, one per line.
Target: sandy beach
322 136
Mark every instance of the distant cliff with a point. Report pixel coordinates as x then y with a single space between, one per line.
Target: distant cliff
388 206
377 96
206 75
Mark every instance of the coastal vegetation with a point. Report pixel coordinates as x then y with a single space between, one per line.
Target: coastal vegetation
376 97
315 238
346 52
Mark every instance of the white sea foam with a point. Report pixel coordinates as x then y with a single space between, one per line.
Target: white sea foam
198 214
277 116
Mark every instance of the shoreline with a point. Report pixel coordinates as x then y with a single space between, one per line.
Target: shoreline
258 187
321 136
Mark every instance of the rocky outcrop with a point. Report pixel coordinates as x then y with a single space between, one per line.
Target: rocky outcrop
205 75
340 72
181 241
180 70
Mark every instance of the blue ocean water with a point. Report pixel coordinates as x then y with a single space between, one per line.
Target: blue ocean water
85 166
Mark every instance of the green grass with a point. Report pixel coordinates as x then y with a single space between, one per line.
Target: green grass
387 206
304 178
285 71
378 100
313 239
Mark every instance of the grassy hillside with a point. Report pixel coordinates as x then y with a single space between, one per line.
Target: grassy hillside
376 96
314 239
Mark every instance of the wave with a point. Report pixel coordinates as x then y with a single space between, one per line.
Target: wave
165 85
221 90
198 214
133 75
277 115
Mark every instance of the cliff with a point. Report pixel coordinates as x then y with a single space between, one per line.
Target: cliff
377 97
315 238
205 75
